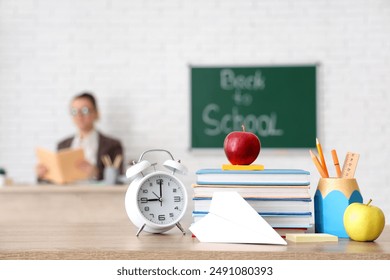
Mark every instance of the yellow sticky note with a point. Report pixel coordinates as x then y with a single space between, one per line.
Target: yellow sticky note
311 237
242 167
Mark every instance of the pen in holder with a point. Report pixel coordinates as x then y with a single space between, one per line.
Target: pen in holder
332 197
111 170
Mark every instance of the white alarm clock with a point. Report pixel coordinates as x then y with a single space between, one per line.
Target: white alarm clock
156 200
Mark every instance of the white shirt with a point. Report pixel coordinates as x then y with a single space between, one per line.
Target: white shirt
89 144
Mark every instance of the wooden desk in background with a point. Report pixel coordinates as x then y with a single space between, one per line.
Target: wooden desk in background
93 225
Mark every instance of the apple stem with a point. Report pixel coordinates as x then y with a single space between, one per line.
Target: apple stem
243 127
369 202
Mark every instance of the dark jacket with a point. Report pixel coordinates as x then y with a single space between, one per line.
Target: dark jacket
106 146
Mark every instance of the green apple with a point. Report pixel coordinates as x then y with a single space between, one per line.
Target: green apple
363 222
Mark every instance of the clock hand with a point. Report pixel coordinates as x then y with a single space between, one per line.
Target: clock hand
156 195
154 199
159 198
160 182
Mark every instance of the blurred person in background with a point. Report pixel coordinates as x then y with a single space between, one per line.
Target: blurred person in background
84 112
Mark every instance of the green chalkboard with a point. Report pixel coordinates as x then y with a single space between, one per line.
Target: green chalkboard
277 103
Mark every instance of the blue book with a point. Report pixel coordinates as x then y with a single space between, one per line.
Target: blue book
276 220
269 177
254 191
263 205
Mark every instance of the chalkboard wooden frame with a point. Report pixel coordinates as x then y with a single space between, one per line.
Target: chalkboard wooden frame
276 102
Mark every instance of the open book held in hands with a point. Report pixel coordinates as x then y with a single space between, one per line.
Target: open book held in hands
62 165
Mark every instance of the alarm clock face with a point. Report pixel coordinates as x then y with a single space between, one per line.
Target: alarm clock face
162 198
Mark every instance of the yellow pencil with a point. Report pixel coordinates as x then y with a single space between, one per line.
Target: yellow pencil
336 163
318 165
322 159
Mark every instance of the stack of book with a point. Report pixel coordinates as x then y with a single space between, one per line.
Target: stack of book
281 196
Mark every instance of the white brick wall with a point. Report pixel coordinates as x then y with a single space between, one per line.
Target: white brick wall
135 54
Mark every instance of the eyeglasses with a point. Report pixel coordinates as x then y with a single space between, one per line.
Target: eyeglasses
84 111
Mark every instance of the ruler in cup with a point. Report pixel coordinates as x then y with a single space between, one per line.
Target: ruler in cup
350 164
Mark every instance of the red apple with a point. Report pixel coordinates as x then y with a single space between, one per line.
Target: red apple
241 147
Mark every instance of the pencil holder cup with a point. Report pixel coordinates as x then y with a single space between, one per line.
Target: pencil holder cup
332 197
110 175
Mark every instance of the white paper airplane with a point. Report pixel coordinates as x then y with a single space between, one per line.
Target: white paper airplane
232 220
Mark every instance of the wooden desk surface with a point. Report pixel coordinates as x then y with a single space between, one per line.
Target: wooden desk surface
73 222
118 241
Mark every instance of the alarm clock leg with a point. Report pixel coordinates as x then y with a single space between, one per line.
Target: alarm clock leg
140 229
181 228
